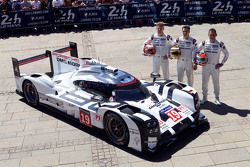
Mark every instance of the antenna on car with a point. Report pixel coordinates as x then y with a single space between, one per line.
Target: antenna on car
155 76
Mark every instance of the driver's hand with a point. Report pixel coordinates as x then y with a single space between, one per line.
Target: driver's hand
195 67
219 65
165 57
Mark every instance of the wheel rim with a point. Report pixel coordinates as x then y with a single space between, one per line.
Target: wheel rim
116 130
31 93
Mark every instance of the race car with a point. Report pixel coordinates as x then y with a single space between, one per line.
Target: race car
137 114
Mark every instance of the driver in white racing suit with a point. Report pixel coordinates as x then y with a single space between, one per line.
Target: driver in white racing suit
187 46
162 44
212 48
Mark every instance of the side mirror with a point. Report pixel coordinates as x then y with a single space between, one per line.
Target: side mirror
154 97
98 99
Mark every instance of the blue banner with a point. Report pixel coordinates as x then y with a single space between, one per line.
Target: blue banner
88 15
196 8
65 16
243 7
142 11
81 15
37 18
223 8
123 12
170 9
12 20
117 12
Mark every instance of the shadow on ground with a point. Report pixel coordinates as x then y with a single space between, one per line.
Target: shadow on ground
163 153
224 109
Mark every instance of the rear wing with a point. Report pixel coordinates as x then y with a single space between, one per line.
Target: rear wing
72 48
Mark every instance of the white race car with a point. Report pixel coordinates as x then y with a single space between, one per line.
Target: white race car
133 113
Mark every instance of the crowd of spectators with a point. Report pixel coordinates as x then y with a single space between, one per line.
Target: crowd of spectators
16 5
77 3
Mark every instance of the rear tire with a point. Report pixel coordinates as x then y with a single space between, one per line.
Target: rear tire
116 129
30 93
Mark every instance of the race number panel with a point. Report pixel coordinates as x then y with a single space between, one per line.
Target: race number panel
85 117
174 115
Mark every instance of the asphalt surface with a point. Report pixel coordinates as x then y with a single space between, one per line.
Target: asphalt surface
40 137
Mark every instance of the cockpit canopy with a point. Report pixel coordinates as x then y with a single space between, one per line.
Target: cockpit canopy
110 83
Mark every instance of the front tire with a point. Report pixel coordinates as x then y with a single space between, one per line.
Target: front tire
30 93
116 129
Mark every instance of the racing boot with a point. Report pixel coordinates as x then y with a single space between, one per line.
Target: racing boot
217 102
203 101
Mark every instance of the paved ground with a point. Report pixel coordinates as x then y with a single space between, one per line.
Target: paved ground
31 137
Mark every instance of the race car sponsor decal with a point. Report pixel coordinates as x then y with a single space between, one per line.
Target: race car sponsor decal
98 117
182 108
159 104
134 131
85 117
166 109
137 140
67 60
174 115
163 126
163 111
185 110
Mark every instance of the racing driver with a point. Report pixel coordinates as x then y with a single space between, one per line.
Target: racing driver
212 47
162 44
187 46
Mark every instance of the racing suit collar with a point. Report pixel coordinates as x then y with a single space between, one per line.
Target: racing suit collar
212 41
187 38
161 35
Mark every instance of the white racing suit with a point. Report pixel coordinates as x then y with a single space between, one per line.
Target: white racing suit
162 44
185 63
213 51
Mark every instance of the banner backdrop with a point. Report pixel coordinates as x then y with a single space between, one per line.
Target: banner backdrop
12 20
26 19
118 12
223 8
243 7
89 15
168 9
65 16
37 18
197 8
142 11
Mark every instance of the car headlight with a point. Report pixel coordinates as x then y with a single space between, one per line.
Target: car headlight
151 124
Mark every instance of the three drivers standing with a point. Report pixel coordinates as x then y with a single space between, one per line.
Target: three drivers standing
186 62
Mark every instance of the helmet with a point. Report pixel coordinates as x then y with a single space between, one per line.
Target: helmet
175 52
201 59
149 49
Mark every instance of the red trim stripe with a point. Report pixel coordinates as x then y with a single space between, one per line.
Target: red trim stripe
32 59
128 83
63 50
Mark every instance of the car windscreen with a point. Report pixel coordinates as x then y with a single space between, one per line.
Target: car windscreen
136 94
